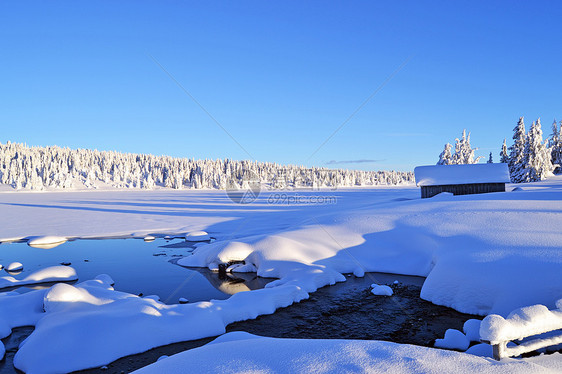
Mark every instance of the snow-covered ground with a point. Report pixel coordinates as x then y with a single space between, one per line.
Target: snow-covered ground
245 353
481 254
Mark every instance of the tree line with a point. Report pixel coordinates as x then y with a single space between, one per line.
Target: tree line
37 168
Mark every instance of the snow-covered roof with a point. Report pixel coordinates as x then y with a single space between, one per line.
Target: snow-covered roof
438 175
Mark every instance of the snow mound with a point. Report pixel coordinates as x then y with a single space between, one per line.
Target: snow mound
48 241
522 322
183 300
106 279
381 290
125 323
15 266
443 196
49 274
2 350
471 329
149 238
454 339
482 350
197 236
243 353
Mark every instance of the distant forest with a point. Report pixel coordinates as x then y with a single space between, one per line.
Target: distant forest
38 168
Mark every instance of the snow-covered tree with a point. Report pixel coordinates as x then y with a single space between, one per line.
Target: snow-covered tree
464 153
516 163
555 144
490 160
445 158
537 158
504 158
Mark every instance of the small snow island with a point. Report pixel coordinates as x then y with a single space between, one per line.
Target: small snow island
461 179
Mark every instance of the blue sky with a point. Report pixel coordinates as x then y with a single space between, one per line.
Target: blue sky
280 77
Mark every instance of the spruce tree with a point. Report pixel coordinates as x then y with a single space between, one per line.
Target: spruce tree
555 145
537 158
445 158
504 158
464 153
490 161
516 153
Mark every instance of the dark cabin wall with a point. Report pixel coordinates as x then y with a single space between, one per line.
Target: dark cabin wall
462 189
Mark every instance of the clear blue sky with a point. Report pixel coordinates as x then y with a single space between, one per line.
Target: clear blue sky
280 77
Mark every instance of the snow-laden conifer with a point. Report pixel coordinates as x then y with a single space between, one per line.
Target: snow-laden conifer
445 158
537 158
504 157
517 169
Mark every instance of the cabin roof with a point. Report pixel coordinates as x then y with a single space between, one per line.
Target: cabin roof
439 175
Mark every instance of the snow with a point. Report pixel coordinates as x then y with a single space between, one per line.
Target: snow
381 290
46 241
481 254
149 238
471 329
454 339
244 353
2 350
197 236
522 322
483 350
183 300
49 274
15 266
125 323
437 175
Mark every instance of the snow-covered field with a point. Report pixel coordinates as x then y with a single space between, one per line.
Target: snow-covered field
481 254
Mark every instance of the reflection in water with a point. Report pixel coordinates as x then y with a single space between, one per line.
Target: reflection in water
234 283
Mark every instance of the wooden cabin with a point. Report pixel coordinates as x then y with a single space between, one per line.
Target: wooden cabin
461 179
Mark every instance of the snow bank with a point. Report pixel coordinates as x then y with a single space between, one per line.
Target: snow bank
454 339
20 310
14 266
197 236
471 329
49 274
243 353
125 323
48 241
522 322
381 290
